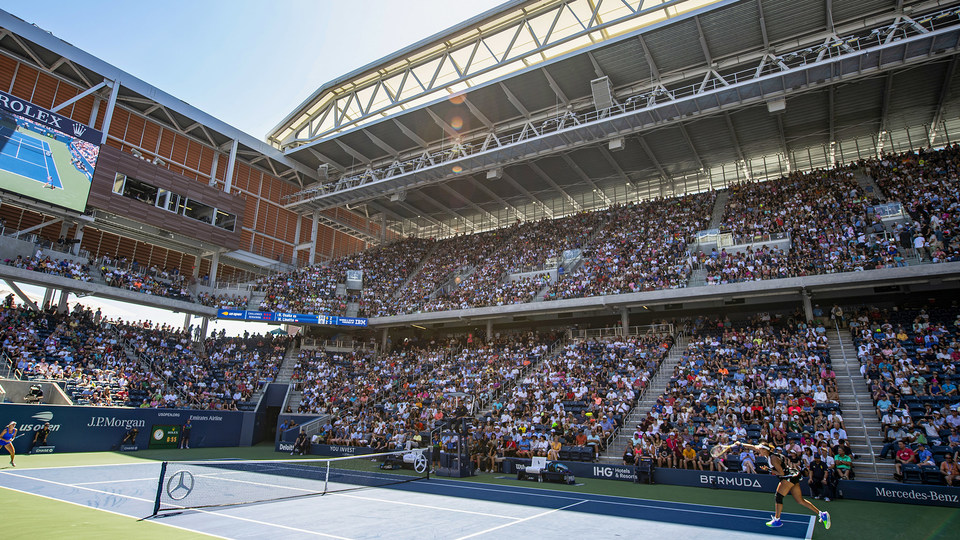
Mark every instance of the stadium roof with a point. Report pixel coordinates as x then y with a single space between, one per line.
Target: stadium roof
667 98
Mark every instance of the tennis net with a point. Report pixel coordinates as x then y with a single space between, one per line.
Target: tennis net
203 484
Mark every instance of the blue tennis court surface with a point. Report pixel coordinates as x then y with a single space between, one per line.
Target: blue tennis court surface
434 508
28 157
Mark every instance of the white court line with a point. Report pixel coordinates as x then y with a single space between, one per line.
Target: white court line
813 524
639 503
238 518
115 481
427 506
541 514
141 463
110 512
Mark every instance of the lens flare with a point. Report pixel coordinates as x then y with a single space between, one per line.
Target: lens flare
457 169
456 99
456 123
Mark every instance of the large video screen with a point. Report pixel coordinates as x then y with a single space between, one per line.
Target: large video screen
46 156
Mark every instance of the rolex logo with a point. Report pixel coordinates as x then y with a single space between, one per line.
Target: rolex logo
79 129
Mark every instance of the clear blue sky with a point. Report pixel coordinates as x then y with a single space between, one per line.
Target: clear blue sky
246 62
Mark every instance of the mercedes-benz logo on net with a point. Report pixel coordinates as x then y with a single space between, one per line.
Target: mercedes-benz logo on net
180 485
420 463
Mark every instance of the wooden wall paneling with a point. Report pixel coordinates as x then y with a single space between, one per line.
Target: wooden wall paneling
166 143
7 67
261 215
81 109
204 159
44 91
192 157
24 82
91 241
118 124
125 247
151 137
179 153
135 129
109 244
64 92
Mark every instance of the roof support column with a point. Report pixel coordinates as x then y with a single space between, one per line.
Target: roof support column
111 105
296 238
77 238
62 306
313 236
214 264
213 169
228 178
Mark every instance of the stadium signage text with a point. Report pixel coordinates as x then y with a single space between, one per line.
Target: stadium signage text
296 318
739 481
42 417
113 421
615 473
915 494
40 115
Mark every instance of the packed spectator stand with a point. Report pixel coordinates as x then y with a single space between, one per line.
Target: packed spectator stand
763 381
909 358
78 349
641 246
88 354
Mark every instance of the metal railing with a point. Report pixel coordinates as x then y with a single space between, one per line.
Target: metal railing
8 369
833 47
617 331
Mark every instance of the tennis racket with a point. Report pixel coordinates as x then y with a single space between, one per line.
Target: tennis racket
721 449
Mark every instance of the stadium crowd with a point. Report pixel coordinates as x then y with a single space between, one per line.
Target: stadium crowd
642 247
764 381
165 368
909 359
77 348
48 265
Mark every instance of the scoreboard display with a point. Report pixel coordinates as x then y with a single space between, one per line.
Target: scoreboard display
164 436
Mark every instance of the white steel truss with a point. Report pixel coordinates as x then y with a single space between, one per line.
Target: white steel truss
824 60
477 52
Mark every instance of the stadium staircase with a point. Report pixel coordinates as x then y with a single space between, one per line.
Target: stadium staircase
255 298
719 205
285 375
658 385
859 413
416 271
589 242
698 278
866 182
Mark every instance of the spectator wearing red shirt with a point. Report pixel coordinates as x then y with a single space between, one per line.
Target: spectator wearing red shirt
905 456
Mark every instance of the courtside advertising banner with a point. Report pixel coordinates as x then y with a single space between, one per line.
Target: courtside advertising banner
91 429
46 156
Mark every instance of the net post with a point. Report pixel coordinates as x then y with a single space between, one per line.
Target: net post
156 503
326 479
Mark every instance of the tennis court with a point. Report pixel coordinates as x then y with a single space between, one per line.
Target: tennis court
28 157
426 508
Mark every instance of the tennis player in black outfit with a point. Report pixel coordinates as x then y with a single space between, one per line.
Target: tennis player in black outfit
789 483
